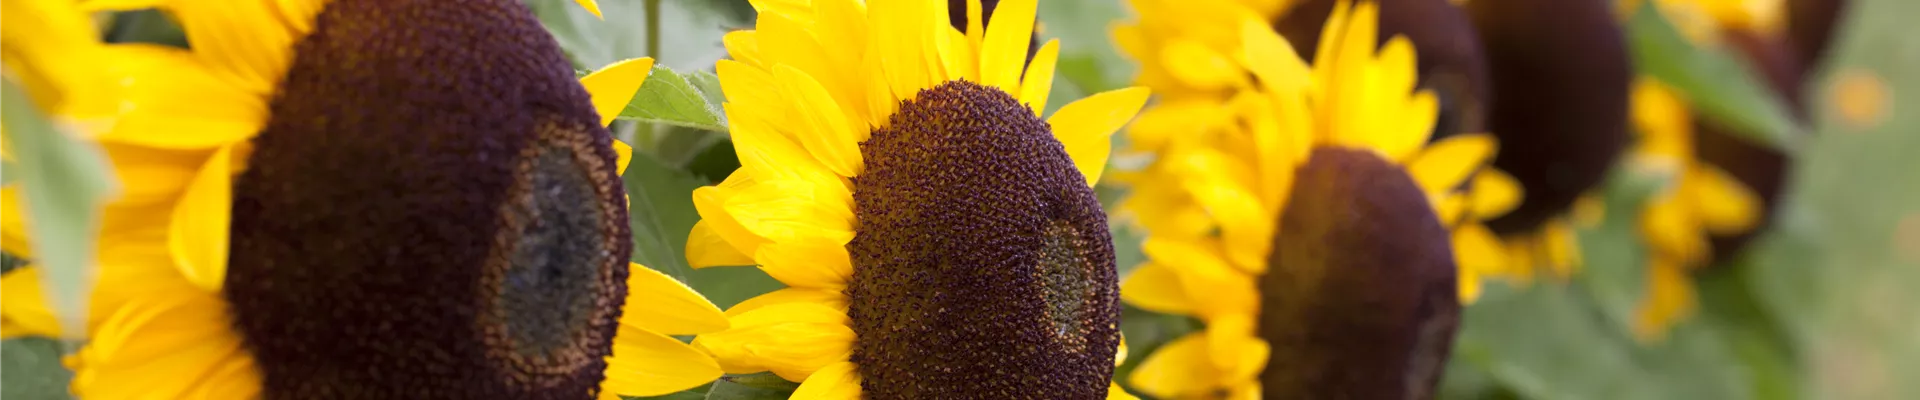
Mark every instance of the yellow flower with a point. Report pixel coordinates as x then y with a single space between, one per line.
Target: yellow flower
937 237
1701 202
1335 241
366 198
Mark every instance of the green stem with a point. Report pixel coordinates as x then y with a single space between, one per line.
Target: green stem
653 29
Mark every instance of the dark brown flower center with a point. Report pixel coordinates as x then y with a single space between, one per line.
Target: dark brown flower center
1560 79
431 212
982 265
1359 299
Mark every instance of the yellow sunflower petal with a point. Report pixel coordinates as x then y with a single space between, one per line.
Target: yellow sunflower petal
1004 51
840 381
805 265
591 7
792 211
898 47
613 86
1448 163
1195 64
710 202
1178 369
623 155
1039 81
1419 115
1114 392
1156 287
793 339
23 306
247 42
1214 286
646 363
199 236
1672 230
1271 58
13 223
706 248
174 100
1086 126
1669 298
1476 252
828 298
1726 206
743 46
832 139
659 303
1235 351
1494 193
143 349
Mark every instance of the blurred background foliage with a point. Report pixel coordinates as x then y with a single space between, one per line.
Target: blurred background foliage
1821 306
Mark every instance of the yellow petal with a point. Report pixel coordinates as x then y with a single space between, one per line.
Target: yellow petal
1477 252
1039 77
23 306
1271 58
1004 51
174 100
840 381
613 86
1210 283
142 350
1235 351
651 364
1178 369
1114 392
1669 298
591 7
1726 206
1419 116
198 235
828 298
623 155
1673 231
1448 163
706 248
830 137
1494 194
1120 351
1086 126
898 48
1156 287
710 202
659 303
792 211
793 339
743 46
804 265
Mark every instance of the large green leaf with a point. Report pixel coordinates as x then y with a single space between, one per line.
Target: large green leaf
32 369
1713 80
1088 58
661 211
65 181
669 98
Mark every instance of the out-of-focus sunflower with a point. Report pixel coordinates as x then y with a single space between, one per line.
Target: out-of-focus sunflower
360 198
1721 187
939 239
1333 230
1560 77
1197 64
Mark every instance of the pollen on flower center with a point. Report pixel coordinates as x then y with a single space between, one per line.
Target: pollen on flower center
983 267
432 211
1359 299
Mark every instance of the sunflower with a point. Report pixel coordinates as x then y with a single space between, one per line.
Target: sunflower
1328 263
1560 78
360 198
937 237
1720 187
1190 57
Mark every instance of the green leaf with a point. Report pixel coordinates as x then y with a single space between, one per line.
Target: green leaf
764 380
64 181
690 31
33 369
1613 253
661 213
668 98
1713 80
727 390
1088 58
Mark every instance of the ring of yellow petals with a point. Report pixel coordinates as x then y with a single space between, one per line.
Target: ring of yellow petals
1238 175
804 88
